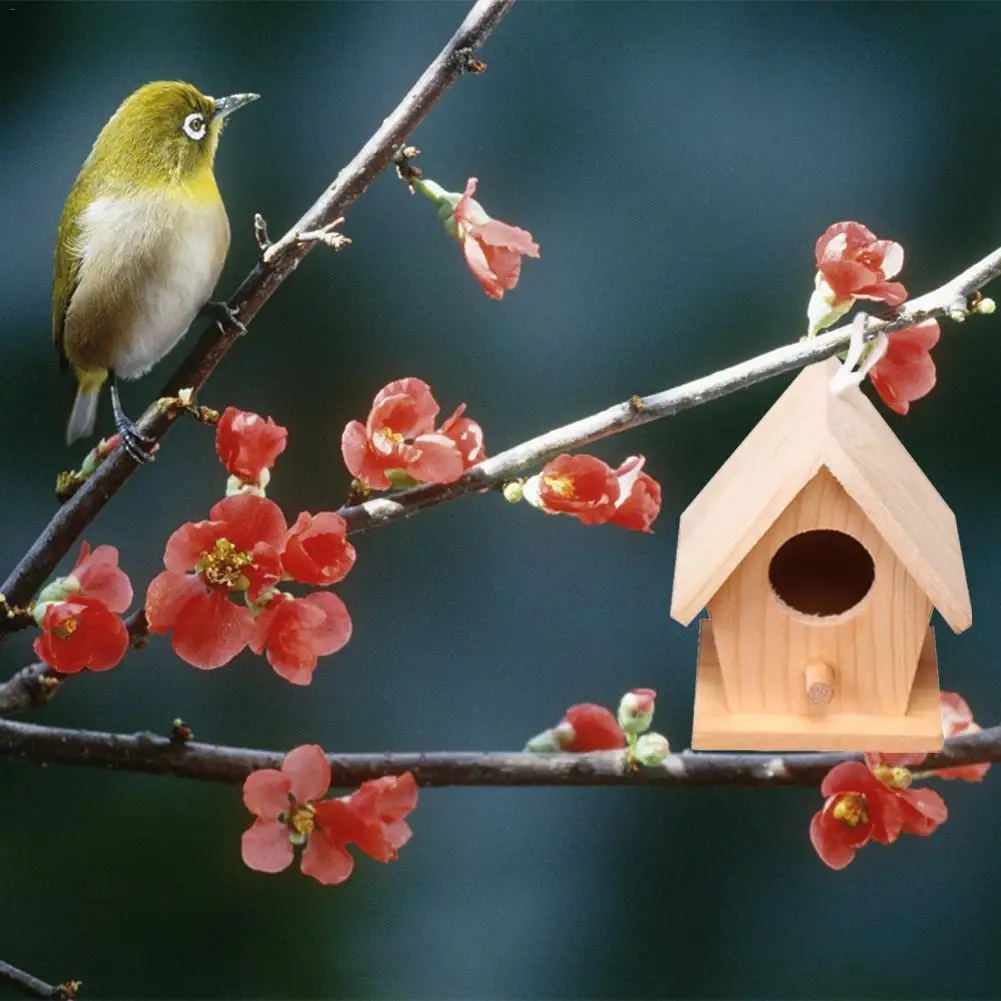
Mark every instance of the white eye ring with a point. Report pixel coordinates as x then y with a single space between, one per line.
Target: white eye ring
194 125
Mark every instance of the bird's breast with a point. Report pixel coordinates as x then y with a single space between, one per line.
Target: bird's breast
148 262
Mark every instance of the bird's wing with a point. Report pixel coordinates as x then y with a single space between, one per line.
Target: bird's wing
66 274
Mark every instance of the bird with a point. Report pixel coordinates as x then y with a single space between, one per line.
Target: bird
140 246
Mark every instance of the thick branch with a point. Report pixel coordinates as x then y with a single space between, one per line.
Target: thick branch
74 516
156 755
30 986
952 296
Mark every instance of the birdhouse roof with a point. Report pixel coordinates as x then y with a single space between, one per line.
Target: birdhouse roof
808 429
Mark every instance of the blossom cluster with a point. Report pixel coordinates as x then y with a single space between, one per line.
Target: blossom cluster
874 800
290 813
399 439
853 264
245 550
591 491
589 727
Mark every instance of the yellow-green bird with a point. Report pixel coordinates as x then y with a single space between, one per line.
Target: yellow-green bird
141 243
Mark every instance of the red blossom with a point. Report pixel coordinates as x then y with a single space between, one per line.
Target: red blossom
906 372
957 719
381 805
588 727
284 804
467 435
235 552
247 444
289 813
580 485
316 549
81 632
594 493
493 249
870 801
854 264
639 496
294 632
400 434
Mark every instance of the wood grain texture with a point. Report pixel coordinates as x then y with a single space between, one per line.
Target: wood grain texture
764 646
715 727
808 429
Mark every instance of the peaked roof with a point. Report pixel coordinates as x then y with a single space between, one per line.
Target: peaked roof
809 428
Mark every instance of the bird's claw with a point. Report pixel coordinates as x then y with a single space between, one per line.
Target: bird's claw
223 314
136 444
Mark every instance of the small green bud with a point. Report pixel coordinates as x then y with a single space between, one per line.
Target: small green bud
547 742
513 491
652 749
984 306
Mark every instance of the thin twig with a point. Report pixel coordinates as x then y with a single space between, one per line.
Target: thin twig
70 521
30 986
947 300
157 755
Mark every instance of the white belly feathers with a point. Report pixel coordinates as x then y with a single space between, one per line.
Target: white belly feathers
170 253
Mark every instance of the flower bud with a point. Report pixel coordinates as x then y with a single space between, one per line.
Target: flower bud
234 485
530 491
636 710
547 742
513 491
652 749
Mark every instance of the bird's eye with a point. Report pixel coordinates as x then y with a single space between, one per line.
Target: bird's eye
194 126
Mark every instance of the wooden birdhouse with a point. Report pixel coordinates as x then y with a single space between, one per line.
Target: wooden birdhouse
820 549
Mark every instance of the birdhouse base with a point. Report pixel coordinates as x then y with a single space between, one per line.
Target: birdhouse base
715 728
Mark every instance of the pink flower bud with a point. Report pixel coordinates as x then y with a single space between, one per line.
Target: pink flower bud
636 710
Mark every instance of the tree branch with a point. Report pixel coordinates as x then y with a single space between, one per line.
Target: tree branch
950 299
76 514
155 755
30 986
31 687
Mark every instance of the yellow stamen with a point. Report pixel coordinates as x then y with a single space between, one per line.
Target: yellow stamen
896 778
66 628
851 811
222 566
561 485
302 819
394 436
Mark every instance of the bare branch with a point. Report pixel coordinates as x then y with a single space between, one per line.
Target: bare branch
157 755
30 986
31 687
949 299
69 522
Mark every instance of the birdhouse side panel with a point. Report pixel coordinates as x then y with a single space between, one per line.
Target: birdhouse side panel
771 651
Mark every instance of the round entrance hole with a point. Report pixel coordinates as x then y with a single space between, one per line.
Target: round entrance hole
821 572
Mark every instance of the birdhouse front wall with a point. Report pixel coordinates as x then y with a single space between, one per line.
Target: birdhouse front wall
766 647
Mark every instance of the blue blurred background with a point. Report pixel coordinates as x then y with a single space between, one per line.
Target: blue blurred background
676 164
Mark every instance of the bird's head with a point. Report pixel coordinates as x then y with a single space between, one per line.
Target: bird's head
166 132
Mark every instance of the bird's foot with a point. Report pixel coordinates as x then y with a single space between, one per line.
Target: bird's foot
140 447
227 317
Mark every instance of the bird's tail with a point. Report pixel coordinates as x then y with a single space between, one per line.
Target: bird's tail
83 416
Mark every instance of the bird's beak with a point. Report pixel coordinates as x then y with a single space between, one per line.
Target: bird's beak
225 106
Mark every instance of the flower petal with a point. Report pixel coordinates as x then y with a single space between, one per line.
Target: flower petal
211 631
265 793
265 846
326 862
308 771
